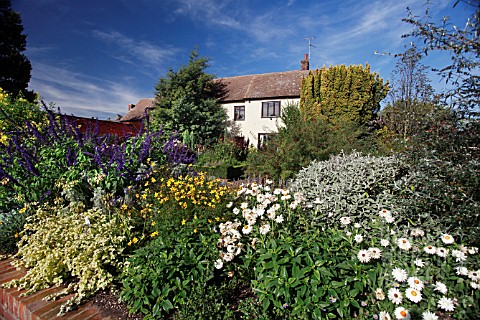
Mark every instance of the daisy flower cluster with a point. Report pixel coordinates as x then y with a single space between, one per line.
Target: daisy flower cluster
259 208
421 284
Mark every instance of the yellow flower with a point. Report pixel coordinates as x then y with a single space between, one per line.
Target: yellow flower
124 206
146 183
183 222
195 217
195 230
153 223
153 180
144 196
22 210
154 234
16 235
134 240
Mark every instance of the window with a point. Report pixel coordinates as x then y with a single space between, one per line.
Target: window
239 113
271 109
263 138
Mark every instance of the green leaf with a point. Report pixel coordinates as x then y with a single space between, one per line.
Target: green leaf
166 305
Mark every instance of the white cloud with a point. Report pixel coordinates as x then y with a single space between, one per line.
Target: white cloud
80 95
133 50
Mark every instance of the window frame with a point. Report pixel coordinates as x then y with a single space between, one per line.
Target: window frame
235 108
277 106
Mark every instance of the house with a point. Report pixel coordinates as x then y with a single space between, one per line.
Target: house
253 102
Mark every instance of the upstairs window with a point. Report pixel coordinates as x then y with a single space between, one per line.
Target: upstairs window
271 109
239 113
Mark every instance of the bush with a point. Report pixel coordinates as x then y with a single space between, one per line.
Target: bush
72 245
354 184
11 224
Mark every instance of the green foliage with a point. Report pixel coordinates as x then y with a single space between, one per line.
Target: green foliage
175 273
11 224
16 68
187 100
67 242
15 112
341 93
446 160
300 140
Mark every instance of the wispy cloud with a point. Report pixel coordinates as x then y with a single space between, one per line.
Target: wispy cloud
132 51
75 93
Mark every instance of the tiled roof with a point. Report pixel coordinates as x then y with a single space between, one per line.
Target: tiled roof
138 112
285 84
266 85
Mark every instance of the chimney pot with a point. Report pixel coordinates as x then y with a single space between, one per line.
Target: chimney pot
305 64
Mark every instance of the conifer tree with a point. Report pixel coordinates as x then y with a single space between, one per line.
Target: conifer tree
15 68
188 101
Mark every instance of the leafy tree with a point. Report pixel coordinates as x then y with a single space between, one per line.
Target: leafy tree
463 45
188 101
15 68
342 94
412 103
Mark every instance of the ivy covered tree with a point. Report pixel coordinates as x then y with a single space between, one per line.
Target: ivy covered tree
342 94
15 68
188 102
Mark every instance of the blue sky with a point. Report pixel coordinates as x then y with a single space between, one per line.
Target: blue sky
92 58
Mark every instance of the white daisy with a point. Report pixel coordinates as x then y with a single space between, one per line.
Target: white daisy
236 210
447 239
279 219
440 287
462 271
357 225
394 295
419 263
375 253
446 304
402 313
364 256
474 285
218 264
474 275
413 295
383 213
247 229
265 228
417 232
293 205
384 243
442 252
244 205
404 243
459 255
415 283
427 315
231 248
389 219
345 220
430 249
383 315
472 250
379 295
358 238
230 204
228 257
399 274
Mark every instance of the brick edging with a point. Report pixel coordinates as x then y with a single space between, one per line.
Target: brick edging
33 307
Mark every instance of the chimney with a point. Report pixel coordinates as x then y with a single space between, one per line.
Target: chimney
305 64
131 106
